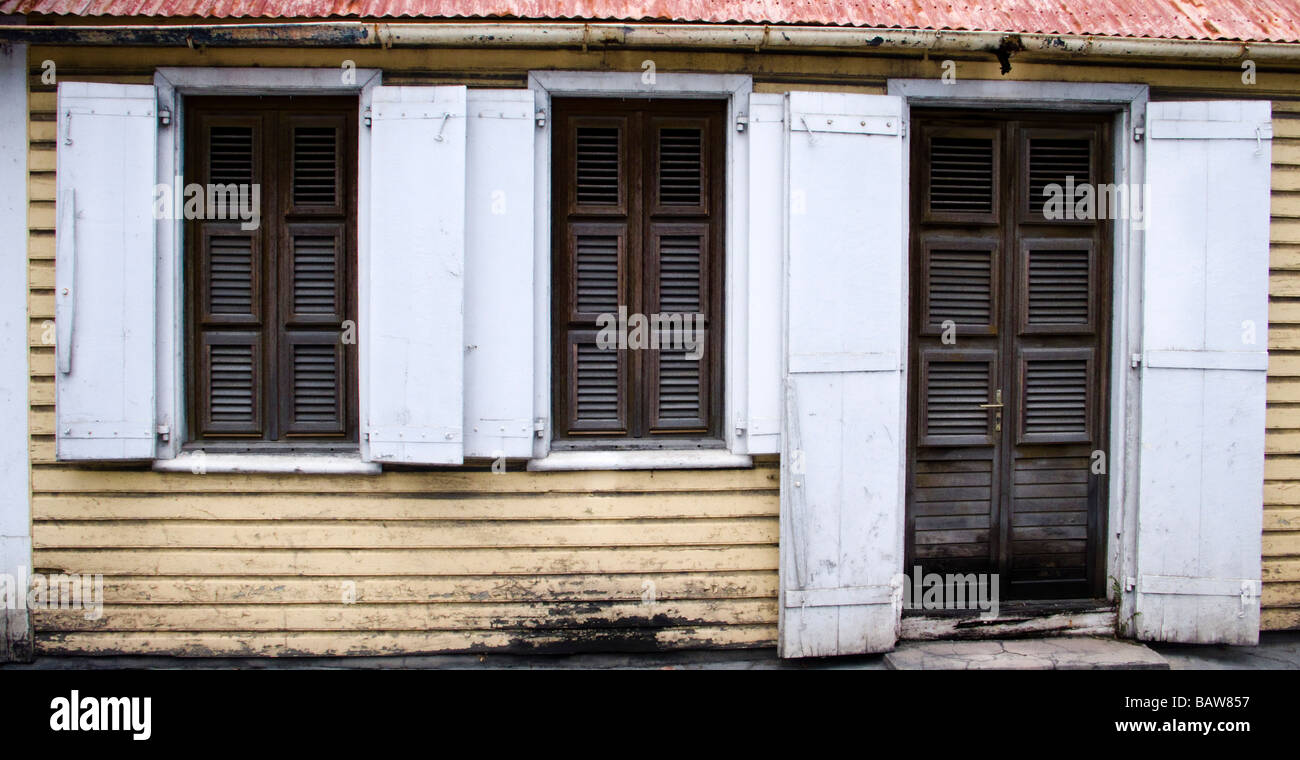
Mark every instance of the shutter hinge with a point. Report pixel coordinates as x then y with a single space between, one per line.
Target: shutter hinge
365 118
902 128
541 118
1135 360
1130 583
539 427
1139 133
165 116
165 432
740 431
741 121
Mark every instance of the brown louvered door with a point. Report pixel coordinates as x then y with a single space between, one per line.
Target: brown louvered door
1008 354
638 230
267 306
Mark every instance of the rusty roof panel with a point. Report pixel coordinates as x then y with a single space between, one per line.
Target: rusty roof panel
1254 20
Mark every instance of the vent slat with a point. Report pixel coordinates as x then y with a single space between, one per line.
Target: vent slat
598 157
1058 287
680 273
597 391
230 275
681 170
1053 161
230 155
960 286
954 391
961 175
1056 396
232 384
315 166
597 273
315 383
315 274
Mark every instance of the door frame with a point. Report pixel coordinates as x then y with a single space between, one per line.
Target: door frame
1127 103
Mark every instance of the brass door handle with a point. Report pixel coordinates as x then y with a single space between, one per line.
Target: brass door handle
991 406
997 404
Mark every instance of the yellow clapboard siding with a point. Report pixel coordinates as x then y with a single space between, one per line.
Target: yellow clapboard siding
41 274
1283 312
1279 618
41 305
40 391
1284 364
40 332
1282 442
451 481
331 644
43 102
1284 284
40 421
431 534
1282 390
40 215
407 617
1284 257
1286 152
1276 519
1286 178
1282 543
1281 595
41 159
40 246
43 131
566 507
1281 492
1286 126
433 589
1280 569
1285 204
343 563
1283 338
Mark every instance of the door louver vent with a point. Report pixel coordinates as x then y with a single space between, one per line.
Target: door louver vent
315 166
315 275
232 385
961 175
1054 161
1056 397
315 383
230 276
960 286
680 167
1058 287
679 387
953 394
597 274
230 155
680 274
598 166
597 384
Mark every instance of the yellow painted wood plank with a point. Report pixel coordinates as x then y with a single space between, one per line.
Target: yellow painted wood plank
1283 338
1284 257
1285 569
40 391
1282 543
45 131
1286 126
40 187
41 450
40 215
571 588
40 246
1284 365
42 102
1281 442
41 159
1285 204
1286 178
40 361
447 616
1279 619
1283 312
1281 595
40 274
380 506
40 421
344 563
71 480
1283 390
1282 417
371 534
332 644
1284 283
1286 152
40 332
1279 519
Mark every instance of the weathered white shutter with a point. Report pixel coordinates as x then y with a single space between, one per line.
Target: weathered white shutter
842 461
1204 338
766 136
412 343
499 274
104 272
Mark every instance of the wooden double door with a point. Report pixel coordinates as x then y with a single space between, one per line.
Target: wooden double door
1008 352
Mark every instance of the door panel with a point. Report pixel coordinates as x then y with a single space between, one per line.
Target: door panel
1008 349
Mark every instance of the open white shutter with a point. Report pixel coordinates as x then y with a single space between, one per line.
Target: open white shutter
104 272
1204 338
499 274
412 343
766 245
842 461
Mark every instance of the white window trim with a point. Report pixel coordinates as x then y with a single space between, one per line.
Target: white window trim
1128 102
172 85
735 89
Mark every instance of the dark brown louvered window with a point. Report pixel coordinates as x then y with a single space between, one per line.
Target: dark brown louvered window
638 189
271 295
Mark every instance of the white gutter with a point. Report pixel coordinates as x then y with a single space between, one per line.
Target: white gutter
544 34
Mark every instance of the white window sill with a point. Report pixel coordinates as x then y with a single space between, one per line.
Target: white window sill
204 462
717 459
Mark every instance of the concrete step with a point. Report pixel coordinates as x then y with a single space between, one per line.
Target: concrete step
1051 653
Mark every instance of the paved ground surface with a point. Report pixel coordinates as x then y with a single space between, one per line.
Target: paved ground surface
1276 651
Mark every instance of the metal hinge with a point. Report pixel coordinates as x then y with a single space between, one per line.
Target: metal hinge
541 118
1130 583
1135 360
164 116
741 122
539 427
165 432
1139 133
365 118
902 128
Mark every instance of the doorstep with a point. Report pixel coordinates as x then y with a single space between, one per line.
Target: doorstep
1053 653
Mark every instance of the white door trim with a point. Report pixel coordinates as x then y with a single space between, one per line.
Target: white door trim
1128 102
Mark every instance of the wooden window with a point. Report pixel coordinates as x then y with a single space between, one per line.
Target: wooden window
638 189
268 294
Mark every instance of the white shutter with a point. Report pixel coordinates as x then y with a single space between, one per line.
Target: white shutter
1204 339
104 272
766 245
499 274
412 345
842 465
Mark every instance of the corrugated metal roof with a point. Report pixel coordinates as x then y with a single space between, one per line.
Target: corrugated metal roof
1254 20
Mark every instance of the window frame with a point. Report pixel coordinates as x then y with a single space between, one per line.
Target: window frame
645 221
276 326
173 85
737 357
